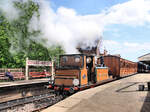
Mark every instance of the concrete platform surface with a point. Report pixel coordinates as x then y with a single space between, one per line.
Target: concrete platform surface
118 96
23 82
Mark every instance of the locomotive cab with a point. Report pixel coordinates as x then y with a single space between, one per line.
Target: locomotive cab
71 73
77 71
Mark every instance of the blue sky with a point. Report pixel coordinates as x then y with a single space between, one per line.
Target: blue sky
123 24
85 6
129 40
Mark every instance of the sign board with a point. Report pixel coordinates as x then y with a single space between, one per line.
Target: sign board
38 63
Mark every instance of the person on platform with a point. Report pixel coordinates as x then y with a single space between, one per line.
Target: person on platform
9 75
45 72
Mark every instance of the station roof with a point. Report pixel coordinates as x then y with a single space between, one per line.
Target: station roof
145 58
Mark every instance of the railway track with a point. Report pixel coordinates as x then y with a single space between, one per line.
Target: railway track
32 103
27 98
30 99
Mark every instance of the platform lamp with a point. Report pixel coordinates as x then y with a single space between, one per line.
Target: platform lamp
52 66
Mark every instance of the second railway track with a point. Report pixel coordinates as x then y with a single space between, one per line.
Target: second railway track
28 104
27 98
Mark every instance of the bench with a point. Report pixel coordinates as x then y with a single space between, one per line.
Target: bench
38 74
16 75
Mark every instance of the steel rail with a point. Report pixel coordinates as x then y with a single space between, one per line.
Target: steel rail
22 101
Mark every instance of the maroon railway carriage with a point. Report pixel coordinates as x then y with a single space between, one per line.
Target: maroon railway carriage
119 67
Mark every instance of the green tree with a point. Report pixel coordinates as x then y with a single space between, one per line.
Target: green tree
4 42
15 39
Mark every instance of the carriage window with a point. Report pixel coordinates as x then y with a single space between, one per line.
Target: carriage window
77 59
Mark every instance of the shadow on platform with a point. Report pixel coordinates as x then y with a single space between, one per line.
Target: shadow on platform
146 104
125 87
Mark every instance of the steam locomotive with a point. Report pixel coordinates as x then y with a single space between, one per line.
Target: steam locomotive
79 71
90 68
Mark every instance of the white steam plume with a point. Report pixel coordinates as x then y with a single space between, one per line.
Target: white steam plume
7 7
67 28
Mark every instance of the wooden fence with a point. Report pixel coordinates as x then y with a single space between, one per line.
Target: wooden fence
19 73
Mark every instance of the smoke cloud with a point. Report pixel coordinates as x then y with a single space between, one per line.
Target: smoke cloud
7 7
65 27
68 28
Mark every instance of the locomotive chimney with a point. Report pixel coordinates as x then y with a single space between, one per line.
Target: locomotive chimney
105 52
90 50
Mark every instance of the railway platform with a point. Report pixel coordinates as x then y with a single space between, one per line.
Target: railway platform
23 82
22 89
117 96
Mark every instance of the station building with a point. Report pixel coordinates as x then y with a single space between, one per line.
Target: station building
145 59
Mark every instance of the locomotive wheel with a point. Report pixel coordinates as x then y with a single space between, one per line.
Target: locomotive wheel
65 94
71 90
57 93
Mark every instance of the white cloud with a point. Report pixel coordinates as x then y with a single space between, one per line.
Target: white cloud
133 12
127 49
127 44
111 43
112 46
136 47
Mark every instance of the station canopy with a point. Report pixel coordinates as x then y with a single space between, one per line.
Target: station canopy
145 58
